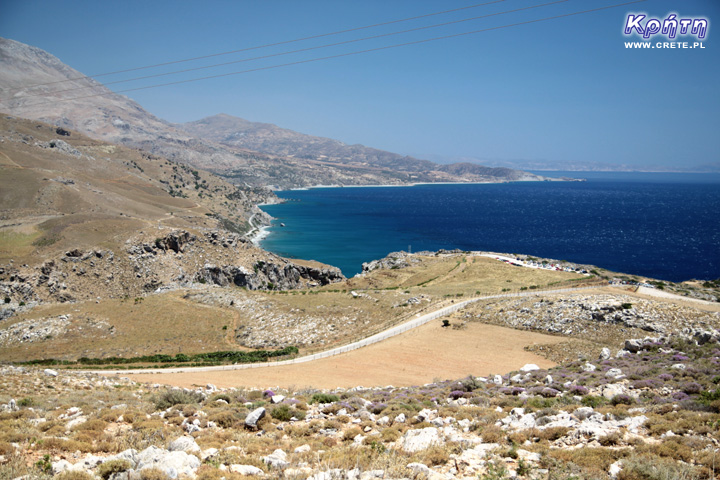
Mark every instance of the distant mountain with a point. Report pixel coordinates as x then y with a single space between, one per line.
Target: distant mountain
271 139
39 86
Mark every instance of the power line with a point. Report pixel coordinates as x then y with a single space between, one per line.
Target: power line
373 37
340 55
267 45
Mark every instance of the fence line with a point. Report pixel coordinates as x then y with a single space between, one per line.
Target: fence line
378 337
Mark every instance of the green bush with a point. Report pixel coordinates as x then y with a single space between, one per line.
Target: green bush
592 401
284 413
323 398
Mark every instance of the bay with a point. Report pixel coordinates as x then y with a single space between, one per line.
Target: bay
663 226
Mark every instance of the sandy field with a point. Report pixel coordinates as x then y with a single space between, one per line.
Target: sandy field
416 357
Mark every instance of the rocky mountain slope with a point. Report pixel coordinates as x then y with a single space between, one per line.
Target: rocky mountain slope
39 86
271 139
84 219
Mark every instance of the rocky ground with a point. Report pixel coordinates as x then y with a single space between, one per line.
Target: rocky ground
156 259
649 411
594 319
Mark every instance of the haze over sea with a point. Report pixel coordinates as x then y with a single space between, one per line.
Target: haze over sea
660 225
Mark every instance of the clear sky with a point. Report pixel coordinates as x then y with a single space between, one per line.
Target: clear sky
565 90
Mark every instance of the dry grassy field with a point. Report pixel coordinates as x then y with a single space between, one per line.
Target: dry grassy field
208 318
423 355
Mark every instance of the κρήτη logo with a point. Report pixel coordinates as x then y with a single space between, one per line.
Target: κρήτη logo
671 26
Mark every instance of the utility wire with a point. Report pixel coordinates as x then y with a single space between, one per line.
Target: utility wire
373 37
387 47
267 45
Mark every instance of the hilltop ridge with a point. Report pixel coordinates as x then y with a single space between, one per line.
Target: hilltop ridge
39 86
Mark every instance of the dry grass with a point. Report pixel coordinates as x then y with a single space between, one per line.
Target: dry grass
157 324
418 356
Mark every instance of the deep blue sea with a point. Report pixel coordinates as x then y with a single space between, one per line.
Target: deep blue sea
661 225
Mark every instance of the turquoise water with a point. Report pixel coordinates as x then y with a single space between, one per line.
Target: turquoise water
659 225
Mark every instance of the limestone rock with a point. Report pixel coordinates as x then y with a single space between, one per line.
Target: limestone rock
277 459
254 417
529 367
184 444
246 469
416 440
174 464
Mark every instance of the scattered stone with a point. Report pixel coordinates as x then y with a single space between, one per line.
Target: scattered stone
246 469
184 444
416 440
254 417
174 464
277 459
589 367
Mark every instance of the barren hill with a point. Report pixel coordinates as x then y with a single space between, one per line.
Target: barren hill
271 139
39 86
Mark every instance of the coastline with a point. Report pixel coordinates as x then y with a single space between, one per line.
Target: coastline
259 234
415 184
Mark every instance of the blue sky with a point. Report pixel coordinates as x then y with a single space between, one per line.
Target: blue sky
564 91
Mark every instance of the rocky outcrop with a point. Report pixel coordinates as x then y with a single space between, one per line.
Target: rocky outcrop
282 275
173 259
394 261
580 314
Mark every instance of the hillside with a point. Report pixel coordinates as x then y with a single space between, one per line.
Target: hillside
553 385
39 86
82 219
271 139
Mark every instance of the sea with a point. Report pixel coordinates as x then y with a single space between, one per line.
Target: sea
660 225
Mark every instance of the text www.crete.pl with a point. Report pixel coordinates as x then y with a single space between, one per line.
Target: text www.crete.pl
664 45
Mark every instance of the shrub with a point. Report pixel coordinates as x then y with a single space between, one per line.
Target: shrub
224 419
622 399
153 474
351 433
221 396
578 390
75 475
691 388
455 394
284 413
105 470
323 398
436 455
390 434
177 397
654 468
592 401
